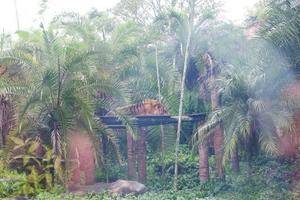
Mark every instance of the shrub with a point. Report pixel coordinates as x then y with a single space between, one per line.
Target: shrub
12 183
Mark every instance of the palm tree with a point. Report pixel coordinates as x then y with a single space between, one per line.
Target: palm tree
180 112
247 111
212 68
10 85
61 92
227 44
178 29
95 30
278 24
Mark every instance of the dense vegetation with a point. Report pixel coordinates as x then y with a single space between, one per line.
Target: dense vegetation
56 78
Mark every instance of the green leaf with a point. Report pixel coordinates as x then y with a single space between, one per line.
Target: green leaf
33 147
17 141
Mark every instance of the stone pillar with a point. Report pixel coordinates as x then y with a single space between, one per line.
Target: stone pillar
131 161
80 159
141 148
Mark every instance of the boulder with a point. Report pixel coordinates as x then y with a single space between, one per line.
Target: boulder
87 189
124 187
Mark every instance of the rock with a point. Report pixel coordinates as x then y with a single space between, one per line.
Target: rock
124 187
86 189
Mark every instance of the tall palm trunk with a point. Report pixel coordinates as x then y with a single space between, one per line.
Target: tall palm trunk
131 172
7 118
17 14
2 106
218 147
157 74
248 144
186 56
55 138
235 166
203 162
219 133
162 133
142 167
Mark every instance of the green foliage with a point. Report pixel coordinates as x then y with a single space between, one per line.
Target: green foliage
281 27
11 182
37 172
165 195
187 168
268 181
110 172
250 105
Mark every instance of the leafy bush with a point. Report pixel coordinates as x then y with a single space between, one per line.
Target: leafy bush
11 183
164 195
266 182
187 170
31 174
110 172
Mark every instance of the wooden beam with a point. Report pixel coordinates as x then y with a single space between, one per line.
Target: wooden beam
150 120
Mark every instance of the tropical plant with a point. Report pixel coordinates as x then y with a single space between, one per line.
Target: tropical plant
62 80
29 167
36 160
250 111
279 22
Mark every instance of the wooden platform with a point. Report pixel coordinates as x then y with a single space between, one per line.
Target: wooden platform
150 120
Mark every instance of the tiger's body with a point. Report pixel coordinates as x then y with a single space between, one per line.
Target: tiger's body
147 107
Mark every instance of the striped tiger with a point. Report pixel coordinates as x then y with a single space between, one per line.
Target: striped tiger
147 107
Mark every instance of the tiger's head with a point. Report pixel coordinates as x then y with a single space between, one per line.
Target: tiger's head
152 107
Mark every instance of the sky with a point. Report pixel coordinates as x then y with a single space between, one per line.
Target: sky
234 10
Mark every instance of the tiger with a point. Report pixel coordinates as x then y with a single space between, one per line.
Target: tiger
146 107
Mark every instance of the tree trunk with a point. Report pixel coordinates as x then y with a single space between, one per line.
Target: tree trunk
218 137
157 74
186 56
1 122
17 14
235 166
203 162
55 138
162 134
219 133
7 118
142 168
218 146
131 172
248 155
